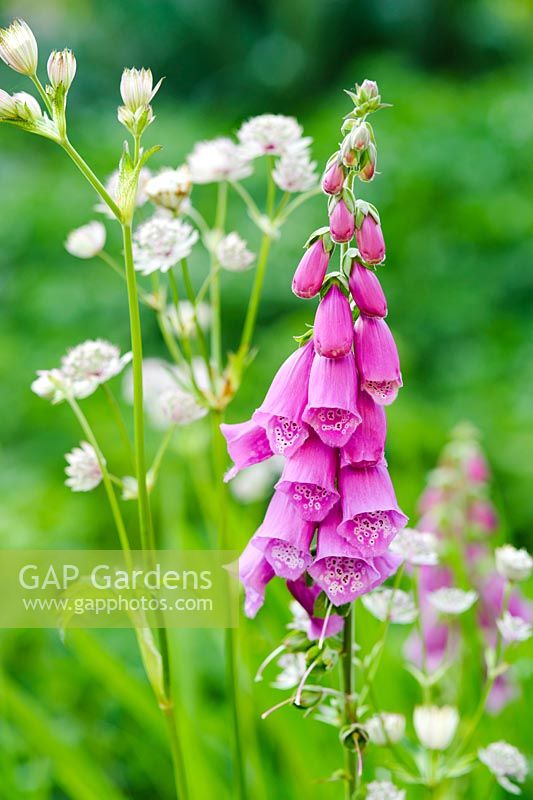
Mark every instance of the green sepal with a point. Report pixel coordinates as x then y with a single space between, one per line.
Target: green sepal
317 234
349 733
303 338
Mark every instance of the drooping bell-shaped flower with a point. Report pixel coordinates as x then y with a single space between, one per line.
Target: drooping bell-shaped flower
333 179
332 402
370 241
247 444
367 292
371 516
280 413
377 359
255 573
341 223
284 538
333 328
366 446
311 270
308 479
306 595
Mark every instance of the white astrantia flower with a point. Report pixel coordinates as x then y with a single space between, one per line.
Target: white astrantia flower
161 242
92 363
295 172
52 384
506 763
137 88
436 726
381 603
450 600
384 790
18 47
180 407
170 187
232 253
27 107
514 629
87 241
293 666
513 564
416 547
83 468
181 318
130 486
112 189
255 483
8 106
218 160
385 728
270 134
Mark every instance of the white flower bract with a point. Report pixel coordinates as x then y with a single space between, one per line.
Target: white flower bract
416 547
51 384
384 790
90 364
436 726
83 468
137 88
18 47
506 763
61 68
270 134
161 242
217 160
86 241
180 407
451 600
393 603
170 187
385 728
295 172
514 629
233 254
513 564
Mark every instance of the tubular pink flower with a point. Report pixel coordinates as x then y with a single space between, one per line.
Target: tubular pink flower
483 514
366 446
341 223
306 595
333 179
284 538
435 633
377 359
367 292
370 513
333 329
332 403
280 413
308 479
370 240
247 444
254 573
311 270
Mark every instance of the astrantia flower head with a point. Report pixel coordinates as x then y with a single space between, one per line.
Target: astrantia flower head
170 187
52 384
506 763
218 160
233 254
87 241
385 728
61 68
452 600
416 547
270 134
161 242
295 172
514 629
384 790
180 407
92 363
395 604
513 564
436 727
83 470
18 47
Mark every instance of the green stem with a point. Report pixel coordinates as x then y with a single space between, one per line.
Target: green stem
199 332
156 463
216 321
350 759
178 761
91 177
255 297
40 88
117 416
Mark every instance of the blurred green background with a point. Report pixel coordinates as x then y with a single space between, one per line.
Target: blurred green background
455 199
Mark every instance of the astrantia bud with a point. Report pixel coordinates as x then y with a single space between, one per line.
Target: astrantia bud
27 107
341 223
333 179
87 241
436 727
370 240
385 729
8 106
311 270
513 564
137 88
333 329
367 292
370 88
18 47
61 68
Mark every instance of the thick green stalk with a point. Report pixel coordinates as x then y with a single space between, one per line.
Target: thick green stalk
115 410
255 297
350 761
91 177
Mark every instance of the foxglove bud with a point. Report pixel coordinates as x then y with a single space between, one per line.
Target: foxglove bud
27 107
370 240
136 88
367 292
18 47
311 270
341 223
368 167
333 179
333 329
359 137
61 68
8 106
370 89
349 155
